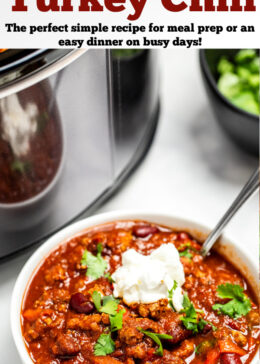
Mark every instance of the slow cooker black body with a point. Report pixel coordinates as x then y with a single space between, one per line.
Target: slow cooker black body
105 106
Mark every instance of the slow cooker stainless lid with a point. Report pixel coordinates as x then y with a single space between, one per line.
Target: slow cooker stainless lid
13 58
108 109
29 68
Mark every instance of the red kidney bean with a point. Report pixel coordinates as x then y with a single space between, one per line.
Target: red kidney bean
81 304
207 328
107 251
233 324
230 358
142 231
183 236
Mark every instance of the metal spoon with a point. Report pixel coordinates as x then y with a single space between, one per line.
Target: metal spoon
251 186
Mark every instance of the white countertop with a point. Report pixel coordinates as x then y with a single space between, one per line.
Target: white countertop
192 170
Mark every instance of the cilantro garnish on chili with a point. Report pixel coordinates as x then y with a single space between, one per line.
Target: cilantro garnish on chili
96 265
116 321
104 345
107 305
109 278
157 339
170 294
191 319
186 254
238 306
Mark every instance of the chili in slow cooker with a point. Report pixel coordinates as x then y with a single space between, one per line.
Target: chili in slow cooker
26 172
69 318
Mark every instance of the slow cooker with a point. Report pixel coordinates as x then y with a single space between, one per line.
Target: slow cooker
74 124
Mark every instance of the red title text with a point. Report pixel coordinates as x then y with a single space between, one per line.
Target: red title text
136 7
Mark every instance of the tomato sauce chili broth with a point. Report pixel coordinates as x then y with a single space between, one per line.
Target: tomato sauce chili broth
63 322
26 171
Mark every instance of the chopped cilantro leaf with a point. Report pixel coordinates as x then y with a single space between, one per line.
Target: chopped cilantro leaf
188 246
239 80
104 345
225 66
110 305
190 324
234 308
186 254
230 291
170 294
184 245
116 321
21 167
96 266
239 305
191 320
157 339
84 258
197 349
186 301
99 248
96 296
109 278
244 55
202 323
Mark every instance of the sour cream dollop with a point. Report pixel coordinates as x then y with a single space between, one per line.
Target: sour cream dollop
18 124
147 279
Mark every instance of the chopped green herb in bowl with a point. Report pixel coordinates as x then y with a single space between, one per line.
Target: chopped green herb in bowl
239 79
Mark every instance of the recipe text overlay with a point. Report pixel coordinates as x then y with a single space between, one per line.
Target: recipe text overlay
99 36
129 23
118 6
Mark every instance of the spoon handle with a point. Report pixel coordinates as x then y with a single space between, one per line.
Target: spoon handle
251 186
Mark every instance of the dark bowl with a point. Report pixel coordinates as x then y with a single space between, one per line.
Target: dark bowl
241 126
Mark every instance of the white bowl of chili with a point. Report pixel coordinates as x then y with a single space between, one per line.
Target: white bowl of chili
241 262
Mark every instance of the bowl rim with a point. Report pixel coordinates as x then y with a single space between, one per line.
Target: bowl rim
77 228
213 83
